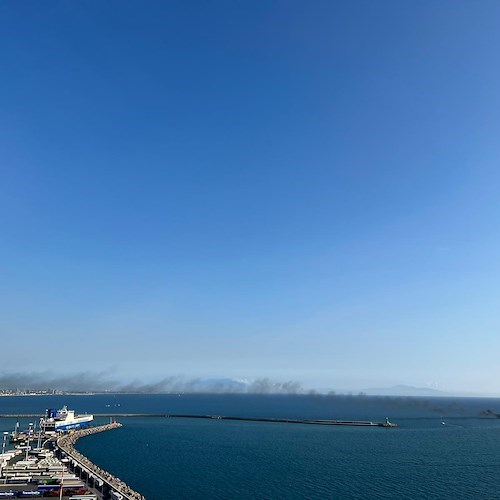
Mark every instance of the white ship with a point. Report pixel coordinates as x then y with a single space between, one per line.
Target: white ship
63 420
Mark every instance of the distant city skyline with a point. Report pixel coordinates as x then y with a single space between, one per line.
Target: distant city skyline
287 190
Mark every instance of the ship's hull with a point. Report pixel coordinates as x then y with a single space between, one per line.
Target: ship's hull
66 425
64 420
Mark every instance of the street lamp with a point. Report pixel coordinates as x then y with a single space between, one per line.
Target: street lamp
39 435
30 430
5 434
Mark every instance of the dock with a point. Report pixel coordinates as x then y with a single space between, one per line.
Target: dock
56 468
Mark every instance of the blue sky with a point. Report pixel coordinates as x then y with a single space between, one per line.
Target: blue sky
297 190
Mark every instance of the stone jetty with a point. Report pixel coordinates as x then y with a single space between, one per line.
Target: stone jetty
109 485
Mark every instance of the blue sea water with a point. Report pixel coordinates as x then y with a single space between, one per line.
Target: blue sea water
190 458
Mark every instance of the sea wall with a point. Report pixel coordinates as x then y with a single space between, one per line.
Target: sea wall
109 483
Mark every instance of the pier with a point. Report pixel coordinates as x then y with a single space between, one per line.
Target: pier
108 485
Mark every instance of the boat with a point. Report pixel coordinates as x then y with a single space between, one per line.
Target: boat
64 420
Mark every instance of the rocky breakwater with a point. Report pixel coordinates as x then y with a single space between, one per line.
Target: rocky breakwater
66 444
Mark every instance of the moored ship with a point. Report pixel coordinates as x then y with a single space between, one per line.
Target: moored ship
63 420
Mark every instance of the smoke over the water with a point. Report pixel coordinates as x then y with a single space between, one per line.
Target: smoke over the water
88 382
430 405
102 382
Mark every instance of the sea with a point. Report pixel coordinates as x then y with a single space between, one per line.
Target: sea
443 448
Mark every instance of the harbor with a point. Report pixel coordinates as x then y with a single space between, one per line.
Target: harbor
35 473
45 463
160 456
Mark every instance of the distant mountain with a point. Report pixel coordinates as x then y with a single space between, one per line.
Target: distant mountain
404 390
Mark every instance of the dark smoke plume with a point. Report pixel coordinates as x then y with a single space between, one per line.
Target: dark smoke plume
102 382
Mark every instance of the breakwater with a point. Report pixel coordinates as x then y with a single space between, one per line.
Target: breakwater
355 423
109 485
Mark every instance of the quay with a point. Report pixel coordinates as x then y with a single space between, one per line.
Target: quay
108 485
55 468
354 423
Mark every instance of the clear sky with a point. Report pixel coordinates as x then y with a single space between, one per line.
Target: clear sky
298 190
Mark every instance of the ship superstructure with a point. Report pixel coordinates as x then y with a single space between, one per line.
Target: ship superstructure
63 420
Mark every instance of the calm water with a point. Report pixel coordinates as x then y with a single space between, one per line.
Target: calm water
170 458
